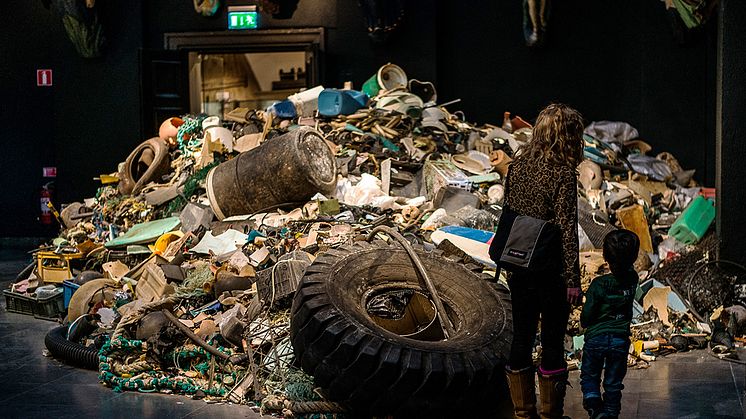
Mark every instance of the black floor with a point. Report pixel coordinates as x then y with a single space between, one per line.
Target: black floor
690 385
35 386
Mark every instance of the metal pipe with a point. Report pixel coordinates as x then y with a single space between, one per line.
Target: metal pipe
196 339
445 321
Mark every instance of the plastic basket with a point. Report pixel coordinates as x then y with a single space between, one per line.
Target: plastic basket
69 289
48 308
18 303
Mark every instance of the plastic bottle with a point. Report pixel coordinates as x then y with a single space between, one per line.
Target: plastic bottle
507 125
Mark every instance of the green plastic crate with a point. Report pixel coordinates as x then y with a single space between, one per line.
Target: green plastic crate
693 223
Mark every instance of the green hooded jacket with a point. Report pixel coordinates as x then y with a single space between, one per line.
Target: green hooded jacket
608 304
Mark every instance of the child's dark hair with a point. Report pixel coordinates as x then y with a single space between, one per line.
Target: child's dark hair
620 250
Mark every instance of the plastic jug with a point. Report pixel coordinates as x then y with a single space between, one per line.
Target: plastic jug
333 102
693 223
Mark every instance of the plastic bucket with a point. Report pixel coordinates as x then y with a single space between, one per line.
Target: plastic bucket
387 77
290 168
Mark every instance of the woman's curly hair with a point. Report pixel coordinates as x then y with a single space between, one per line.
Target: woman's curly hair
557 137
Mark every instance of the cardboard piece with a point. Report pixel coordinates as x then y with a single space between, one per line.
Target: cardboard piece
259 256
641 190
658 297
115 270
248 142
633 219
174 248
152 285
136 272
201 317
386 176
206 329
675 302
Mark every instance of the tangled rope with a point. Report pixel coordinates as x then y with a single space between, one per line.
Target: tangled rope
189 133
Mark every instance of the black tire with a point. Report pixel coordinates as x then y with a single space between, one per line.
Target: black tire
376 371
71 353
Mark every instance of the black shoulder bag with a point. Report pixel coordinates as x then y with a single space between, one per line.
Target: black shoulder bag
524 244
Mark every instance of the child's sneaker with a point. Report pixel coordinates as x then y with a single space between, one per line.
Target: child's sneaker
594 406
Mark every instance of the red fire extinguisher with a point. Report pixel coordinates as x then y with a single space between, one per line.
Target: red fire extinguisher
45 197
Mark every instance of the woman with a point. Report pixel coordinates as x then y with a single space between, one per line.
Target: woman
542 183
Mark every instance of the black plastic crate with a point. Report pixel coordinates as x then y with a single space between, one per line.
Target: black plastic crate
48 308
19 303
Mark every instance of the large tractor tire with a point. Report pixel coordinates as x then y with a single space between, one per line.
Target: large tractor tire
378 365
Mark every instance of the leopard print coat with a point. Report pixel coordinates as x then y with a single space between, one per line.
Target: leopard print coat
549 192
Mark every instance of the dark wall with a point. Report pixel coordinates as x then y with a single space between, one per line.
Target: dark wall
731 112
611 60
349 54
84 124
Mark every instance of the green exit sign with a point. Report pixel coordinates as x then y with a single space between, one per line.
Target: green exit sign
242 20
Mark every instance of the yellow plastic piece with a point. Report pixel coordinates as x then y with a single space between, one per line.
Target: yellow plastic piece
162 243
53 267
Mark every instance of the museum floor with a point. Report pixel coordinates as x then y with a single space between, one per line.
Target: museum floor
688 385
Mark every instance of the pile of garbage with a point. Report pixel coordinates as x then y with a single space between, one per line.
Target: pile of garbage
179 274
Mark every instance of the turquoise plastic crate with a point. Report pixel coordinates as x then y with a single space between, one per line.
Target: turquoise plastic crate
69 288
693 223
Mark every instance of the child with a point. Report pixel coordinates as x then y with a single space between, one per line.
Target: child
606 315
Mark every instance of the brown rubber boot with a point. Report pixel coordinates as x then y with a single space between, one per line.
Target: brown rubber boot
522 392
552 388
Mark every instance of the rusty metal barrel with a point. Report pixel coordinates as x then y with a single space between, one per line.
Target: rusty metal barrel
290 168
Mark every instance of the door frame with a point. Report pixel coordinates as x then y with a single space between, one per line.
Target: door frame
310 40
261 39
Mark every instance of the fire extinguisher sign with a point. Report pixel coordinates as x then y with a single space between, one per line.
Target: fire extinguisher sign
44 77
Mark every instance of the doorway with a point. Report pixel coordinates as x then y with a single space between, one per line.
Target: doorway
221 82
215 72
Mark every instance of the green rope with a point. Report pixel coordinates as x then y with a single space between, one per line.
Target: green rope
193 284
189 133
190 188
157 380
299 387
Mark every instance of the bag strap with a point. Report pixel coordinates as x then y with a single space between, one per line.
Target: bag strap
507 175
